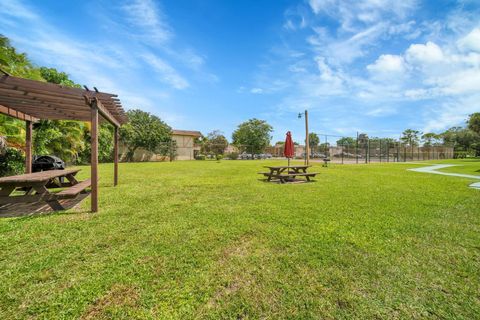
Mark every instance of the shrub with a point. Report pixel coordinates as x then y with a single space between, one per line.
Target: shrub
232 156
219 157
200 157
12 162
463 154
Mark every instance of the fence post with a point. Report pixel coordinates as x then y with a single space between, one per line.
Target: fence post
342 152
356 149
367 150
388 151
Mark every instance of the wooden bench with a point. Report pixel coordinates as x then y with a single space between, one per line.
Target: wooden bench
286 177
75 190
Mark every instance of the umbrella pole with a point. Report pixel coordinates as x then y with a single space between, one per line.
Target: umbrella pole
288 162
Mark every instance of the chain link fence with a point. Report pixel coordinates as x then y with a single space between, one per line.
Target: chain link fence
337 149
362 149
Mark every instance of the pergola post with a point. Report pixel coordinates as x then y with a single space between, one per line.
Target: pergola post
94 156
115 156
28 146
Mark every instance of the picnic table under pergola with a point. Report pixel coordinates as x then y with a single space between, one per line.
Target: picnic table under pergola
30 101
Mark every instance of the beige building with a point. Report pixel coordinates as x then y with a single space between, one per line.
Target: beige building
186 147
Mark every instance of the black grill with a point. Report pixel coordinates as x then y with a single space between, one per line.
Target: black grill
43 163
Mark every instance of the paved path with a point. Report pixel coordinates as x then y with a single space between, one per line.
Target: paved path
433 169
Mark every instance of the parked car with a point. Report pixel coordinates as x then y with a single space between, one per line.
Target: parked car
314 155
245 156
318 155
347 155
263 156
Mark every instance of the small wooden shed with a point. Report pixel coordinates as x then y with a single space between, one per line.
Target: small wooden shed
31 100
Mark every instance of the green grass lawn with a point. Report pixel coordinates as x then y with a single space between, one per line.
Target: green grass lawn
204 239
470 166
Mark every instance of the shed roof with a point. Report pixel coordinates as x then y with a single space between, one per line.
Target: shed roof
186 133
31 100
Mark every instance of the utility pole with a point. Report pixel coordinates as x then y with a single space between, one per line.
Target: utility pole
307 147
307 142
356 149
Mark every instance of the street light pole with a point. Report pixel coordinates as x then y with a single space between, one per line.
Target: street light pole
307 142
307 147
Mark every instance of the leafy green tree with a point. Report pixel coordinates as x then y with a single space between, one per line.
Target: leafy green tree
64 139
54 76
324 147
253 134
474 122
12 162
144 130
13 131
105 144
430 139
463 139
17 64
346 141
410 137
313 141
215 143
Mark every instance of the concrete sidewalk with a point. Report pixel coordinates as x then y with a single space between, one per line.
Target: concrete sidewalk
433 169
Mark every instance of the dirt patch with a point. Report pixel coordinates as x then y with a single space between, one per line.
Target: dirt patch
117 296
239 249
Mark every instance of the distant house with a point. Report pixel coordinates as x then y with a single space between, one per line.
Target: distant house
185 139
186 148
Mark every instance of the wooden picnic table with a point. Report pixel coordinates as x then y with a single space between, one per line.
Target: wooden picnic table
35 187
288 173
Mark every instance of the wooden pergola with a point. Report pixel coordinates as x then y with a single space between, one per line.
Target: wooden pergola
31 100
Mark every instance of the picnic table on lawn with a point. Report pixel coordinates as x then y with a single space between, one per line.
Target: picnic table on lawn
288 173
35 187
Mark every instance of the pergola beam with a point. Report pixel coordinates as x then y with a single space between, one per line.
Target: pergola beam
106 114
17 114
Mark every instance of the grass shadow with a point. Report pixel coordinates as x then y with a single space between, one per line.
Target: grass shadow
39 208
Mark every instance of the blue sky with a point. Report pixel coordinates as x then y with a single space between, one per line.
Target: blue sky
375 66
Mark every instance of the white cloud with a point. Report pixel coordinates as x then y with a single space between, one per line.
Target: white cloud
352 13
450 113
382 111
319 5
256 90
146 16
470 42
166 72
387 64
423 54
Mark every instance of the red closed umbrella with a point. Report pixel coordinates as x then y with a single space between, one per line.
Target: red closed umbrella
289 149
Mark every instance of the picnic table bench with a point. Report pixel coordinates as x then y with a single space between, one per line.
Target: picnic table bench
288 173
35 187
